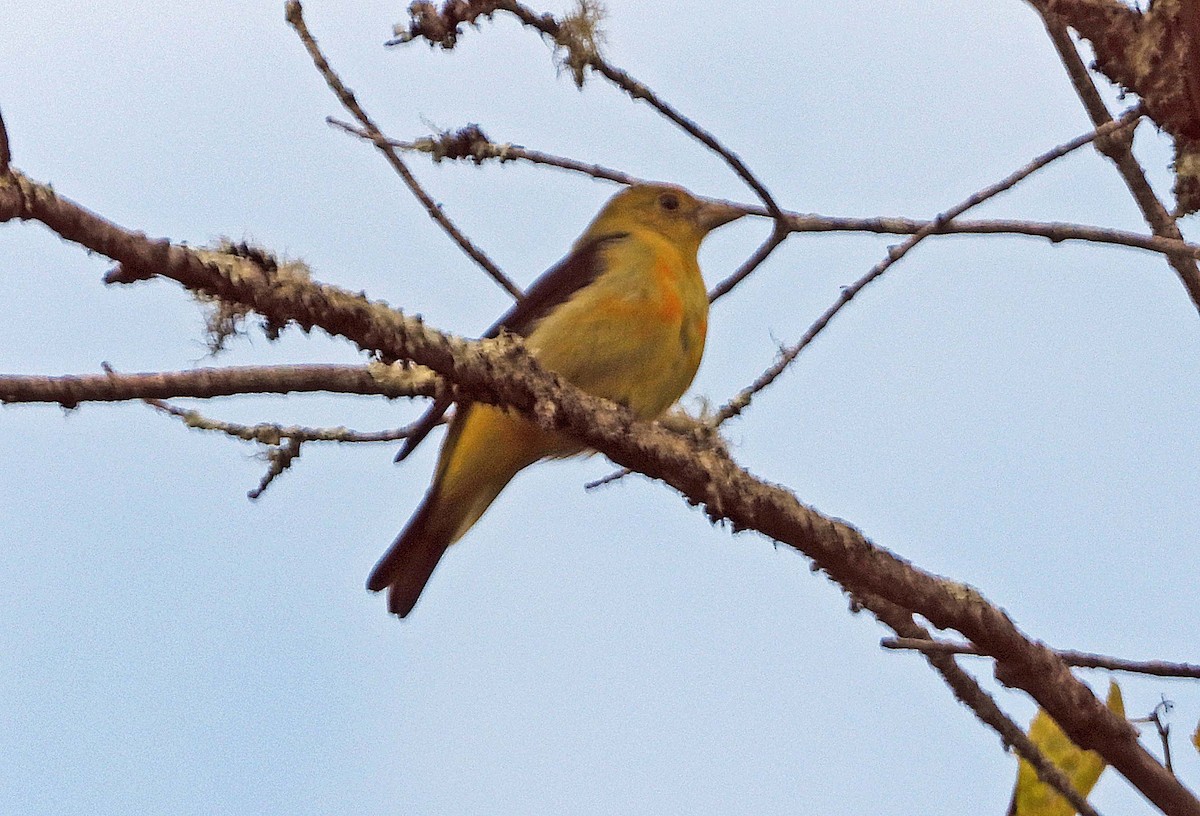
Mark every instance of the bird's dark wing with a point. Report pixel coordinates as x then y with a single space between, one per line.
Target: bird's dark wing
555 286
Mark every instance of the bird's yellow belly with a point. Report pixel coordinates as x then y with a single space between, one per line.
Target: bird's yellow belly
639 352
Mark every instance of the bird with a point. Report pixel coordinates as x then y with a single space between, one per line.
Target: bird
623 316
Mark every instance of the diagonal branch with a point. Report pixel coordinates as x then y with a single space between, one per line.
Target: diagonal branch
295 16
576 36
778 235
1119 150
470 143
741 400
500 372
968 692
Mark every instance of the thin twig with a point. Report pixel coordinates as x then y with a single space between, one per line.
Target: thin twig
638 91
271 433
470 143
616 476
778 235
1119 150
1053 231
1084 660
295 16
1158 718
742 399
280 458
968 691
282 442
441 27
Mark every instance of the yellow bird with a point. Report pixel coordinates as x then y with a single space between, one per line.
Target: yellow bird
623 316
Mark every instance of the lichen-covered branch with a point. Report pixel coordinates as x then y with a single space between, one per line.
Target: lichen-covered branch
282 443
1161 222
71 390
576 35
1155 54
273 433
470 143
500 372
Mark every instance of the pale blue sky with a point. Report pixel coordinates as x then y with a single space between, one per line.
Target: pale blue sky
1010 413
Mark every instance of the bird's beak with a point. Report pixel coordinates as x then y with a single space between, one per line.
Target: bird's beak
713 214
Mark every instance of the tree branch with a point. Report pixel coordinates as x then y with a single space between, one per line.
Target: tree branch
1120 150
500 372
787 355
70 390
295 17
1054 231
577 37
282 442
470 143
1083 660
272 433
968 692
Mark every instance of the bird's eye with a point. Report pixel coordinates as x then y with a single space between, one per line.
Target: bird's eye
669 201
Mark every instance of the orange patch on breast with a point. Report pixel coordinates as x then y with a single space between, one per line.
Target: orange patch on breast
670 303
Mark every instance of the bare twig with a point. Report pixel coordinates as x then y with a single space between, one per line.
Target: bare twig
742 399
1158 718
638 91
968 691
271 433
68 391
1053 231
295 16
442 28
616 476
1084 660
778 235
1161 222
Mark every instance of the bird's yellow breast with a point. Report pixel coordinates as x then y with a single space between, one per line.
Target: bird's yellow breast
635 335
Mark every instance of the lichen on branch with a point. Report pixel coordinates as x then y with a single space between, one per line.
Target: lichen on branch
576 37
1156 55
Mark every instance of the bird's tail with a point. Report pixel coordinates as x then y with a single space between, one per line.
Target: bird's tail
407 565
484 449
440 521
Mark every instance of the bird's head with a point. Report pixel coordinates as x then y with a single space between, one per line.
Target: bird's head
671 211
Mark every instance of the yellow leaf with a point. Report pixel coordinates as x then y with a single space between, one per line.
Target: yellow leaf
1032 797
